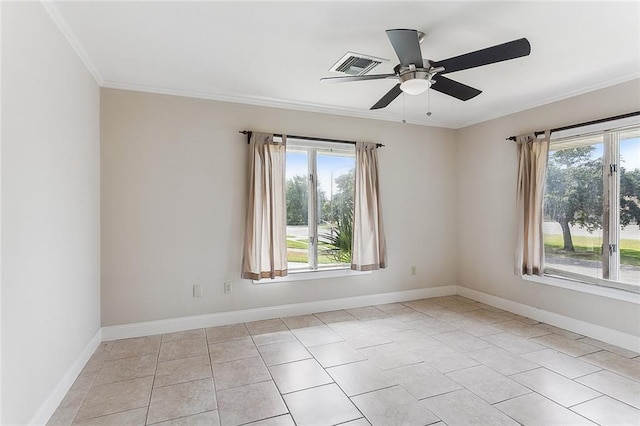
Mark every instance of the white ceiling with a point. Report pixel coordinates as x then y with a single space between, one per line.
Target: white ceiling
274 53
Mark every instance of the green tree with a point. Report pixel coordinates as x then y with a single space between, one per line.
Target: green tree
342 201
297 200
629 196
574 191
323 202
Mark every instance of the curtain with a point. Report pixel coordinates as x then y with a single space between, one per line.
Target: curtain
369 250
265 250
533 154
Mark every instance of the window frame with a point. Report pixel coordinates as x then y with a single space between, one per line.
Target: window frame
611 232
312 148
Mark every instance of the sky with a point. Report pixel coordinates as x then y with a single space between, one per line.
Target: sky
297 165
629 152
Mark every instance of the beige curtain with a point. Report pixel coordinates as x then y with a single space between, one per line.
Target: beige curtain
533 153
369 249
265 250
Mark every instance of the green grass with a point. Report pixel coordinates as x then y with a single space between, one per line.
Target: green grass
303 244
590 248
295 256
297 244
630 257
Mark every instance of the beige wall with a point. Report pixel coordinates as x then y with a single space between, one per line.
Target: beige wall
50 209
486 198
173 201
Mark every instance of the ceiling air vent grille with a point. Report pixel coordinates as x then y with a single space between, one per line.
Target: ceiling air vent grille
356 64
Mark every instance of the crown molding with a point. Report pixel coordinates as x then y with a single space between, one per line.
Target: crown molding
272 103
71 38
351 112
557 98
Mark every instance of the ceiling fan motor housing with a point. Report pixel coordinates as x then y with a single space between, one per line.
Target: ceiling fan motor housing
421 73
417 80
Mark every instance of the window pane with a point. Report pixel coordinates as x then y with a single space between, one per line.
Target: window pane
630 207
573 208
297 208
335 206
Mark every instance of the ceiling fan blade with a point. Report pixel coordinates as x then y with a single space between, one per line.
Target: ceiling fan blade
388 97
453 88
490 55
357 78
407 47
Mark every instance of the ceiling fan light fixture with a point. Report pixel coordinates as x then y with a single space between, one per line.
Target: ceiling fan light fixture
415 86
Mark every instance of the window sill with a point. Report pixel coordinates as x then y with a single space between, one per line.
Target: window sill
313 275
584 287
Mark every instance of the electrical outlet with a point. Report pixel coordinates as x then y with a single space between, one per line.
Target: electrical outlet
413 269
228 287
197 290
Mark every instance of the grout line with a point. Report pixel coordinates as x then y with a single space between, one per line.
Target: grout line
84 397
373 390
587 400
349 421
248 384
506 399
111 414
182 417
213 379
446 393
153 382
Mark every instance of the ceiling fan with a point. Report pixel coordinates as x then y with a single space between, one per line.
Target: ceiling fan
416 75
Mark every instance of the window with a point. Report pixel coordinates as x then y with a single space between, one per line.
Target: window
592 208
320 191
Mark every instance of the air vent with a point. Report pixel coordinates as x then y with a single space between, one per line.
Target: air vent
356 64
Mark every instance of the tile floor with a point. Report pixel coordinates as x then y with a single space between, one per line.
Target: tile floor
446 360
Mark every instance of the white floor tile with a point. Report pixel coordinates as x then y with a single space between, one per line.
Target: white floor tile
533 409
393 406
558 388
323 405
618 387
462 408
608 411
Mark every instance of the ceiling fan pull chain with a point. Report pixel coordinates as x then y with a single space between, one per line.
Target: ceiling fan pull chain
403 120
428 103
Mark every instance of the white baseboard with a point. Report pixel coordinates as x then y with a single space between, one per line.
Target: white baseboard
223 318
49 406
613 337
623 340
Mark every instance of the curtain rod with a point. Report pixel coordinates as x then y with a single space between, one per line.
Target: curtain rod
308 138
587 123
